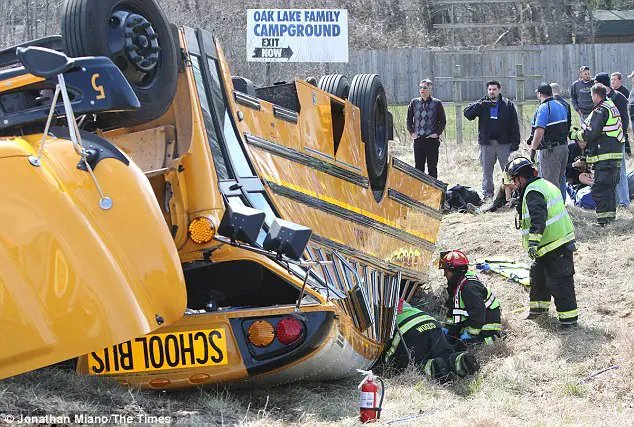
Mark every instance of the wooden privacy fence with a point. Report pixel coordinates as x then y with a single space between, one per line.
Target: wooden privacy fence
402 69
458 80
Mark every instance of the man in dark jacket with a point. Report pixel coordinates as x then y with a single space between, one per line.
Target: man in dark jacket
498 132
616 81
603 132
473 312
426 121
419 339
622 191
580 93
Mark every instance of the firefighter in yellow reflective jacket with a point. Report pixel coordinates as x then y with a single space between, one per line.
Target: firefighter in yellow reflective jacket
473 312
419 339
548 236
603 131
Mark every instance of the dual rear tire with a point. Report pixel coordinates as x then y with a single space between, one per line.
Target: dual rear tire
366 91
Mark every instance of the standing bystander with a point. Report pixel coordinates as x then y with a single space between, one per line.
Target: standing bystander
616 79
580 93
426 121
498 132
562 101
549 136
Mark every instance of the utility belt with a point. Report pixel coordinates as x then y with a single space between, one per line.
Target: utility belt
545 145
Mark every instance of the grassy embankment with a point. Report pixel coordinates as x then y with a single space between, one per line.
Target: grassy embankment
536 377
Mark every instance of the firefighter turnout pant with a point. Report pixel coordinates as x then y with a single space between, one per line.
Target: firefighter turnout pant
606 177
552 274
441 359
420 340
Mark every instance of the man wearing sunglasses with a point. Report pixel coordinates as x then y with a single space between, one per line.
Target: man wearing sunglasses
426 121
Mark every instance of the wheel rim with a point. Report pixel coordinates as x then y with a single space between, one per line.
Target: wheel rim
380 135
134 45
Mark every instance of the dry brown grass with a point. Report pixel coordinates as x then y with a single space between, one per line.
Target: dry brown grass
532 378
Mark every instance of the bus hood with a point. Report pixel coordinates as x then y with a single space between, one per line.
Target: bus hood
73 277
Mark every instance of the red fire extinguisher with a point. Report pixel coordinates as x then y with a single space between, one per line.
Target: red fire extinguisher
370 411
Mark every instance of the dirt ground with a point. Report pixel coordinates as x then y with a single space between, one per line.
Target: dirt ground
538 376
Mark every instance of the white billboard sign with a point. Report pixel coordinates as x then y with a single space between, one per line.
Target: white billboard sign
297 35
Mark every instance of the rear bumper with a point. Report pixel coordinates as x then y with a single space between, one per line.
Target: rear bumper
322 353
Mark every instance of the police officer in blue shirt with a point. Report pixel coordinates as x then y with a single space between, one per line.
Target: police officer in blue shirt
549 136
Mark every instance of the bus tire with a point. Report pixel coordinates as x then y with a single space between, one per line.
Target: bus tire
367 93
137 37
335 84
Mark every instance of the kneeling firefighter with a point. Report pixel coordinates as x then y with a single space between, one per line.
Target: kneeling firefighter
419 338
473 312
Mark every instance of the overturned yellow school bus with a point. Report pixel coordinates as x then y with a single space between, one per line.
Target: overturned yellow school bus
296 231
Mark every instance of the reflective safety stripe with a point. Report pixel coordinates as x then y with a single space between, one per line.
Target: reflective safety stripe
472 331
552 202
459 364
606 214
488 340
606 156
557 122
555 219
554 245
412 321
613 127
568 314
536 237
449 320
539 304
489 300
460 312
428 368
492 327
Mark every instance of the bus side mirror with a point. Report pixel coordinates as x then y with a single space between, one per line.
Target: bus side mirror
287 238
240 223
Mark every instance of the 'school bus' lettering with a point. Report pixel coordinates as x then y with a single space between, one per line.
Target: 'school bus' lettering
162 351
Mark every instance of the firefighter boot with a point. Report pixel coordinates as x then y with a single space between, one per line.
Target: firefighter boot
437 369
463 364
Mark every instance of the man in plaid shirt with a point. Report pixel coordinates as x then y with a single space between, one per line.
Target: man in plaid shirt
426 121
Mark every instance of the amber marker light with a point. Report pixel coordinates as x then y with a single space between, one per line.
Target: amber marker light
199 378
202 230
159 383
261 333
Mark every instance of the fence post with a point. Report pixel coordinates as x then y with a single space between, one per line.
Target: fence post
457 98
519 92
267 74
